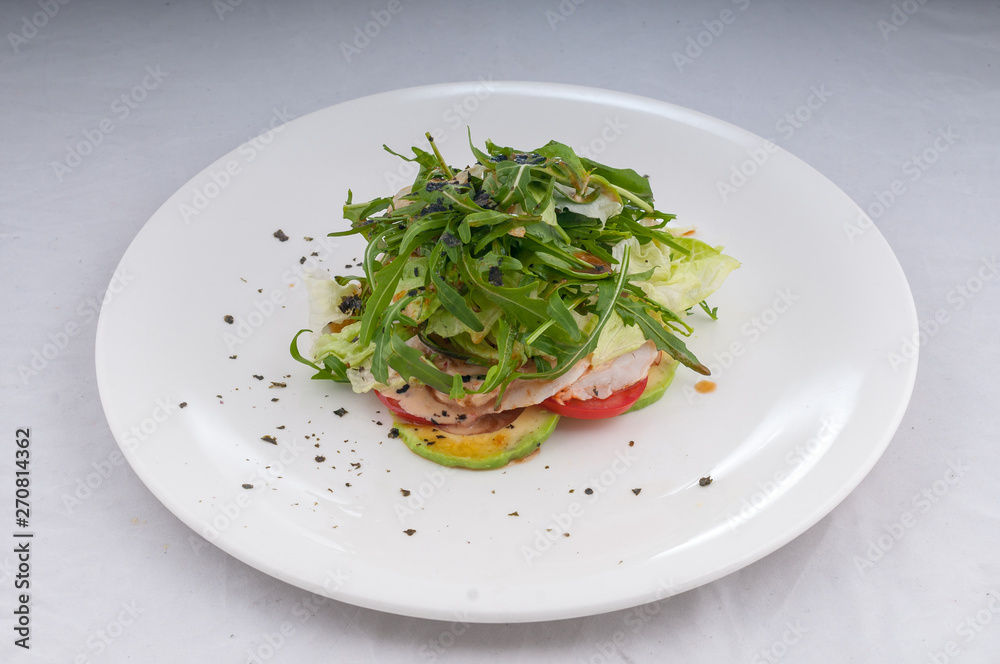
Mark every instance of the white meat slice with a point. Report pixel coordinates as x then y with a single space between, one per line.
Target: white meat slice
602 381
580 382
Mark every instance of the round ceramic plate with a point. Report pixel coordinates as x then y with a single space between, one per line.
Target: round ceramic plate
300 479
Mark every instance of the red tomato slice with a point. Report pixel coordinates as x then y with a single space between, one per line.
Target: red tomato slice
397 410
598 409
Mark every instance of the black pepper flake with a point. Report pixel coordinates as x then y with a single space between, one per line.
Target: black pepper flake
636 491
416 272
320 458
302 260
340 412
588 491
351 304
403 389
705 481
229 319
466 378
280 234
483 200
269 439
276 384
182 404
432 208
496 276
450 240
412 292
405 492
409 532
248 486
258 377
393 433
347 484
462 417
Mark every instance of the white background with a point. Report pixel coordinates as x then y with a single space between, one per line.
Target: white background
889 575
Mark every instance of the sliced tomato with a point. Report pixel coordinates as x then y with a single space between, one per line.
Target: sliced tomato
397 410
598 409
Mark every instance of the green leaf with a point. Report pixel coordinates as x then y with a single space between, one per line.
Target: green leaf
663 339
409 363
625 178
561 315
450 298
516 302
335 371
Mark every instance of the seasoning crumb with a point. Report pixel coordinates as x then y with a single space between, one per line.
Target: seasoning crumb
281 427
409 532
565 534
280 234
274 399
229 319
302 260
182 404
393 433
495 276
514 513
636 491
307 238
258 377
269 439
572 490
320 458
705 481
277 384
340 412
588 491
405 492
248 486
347 484
631 443
232 357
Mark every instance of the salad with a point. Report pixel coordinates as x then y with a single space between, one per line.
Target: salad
498 297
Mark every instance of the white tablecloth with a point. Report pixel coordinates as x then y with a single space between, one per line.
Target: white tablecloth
107 108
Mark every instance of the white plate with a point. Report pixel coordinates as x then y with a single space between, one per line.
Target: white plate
809 391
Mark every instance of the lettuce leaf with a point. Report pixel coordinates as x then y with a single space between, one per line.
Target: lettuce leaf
679 281
325 296
616 339
344 345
